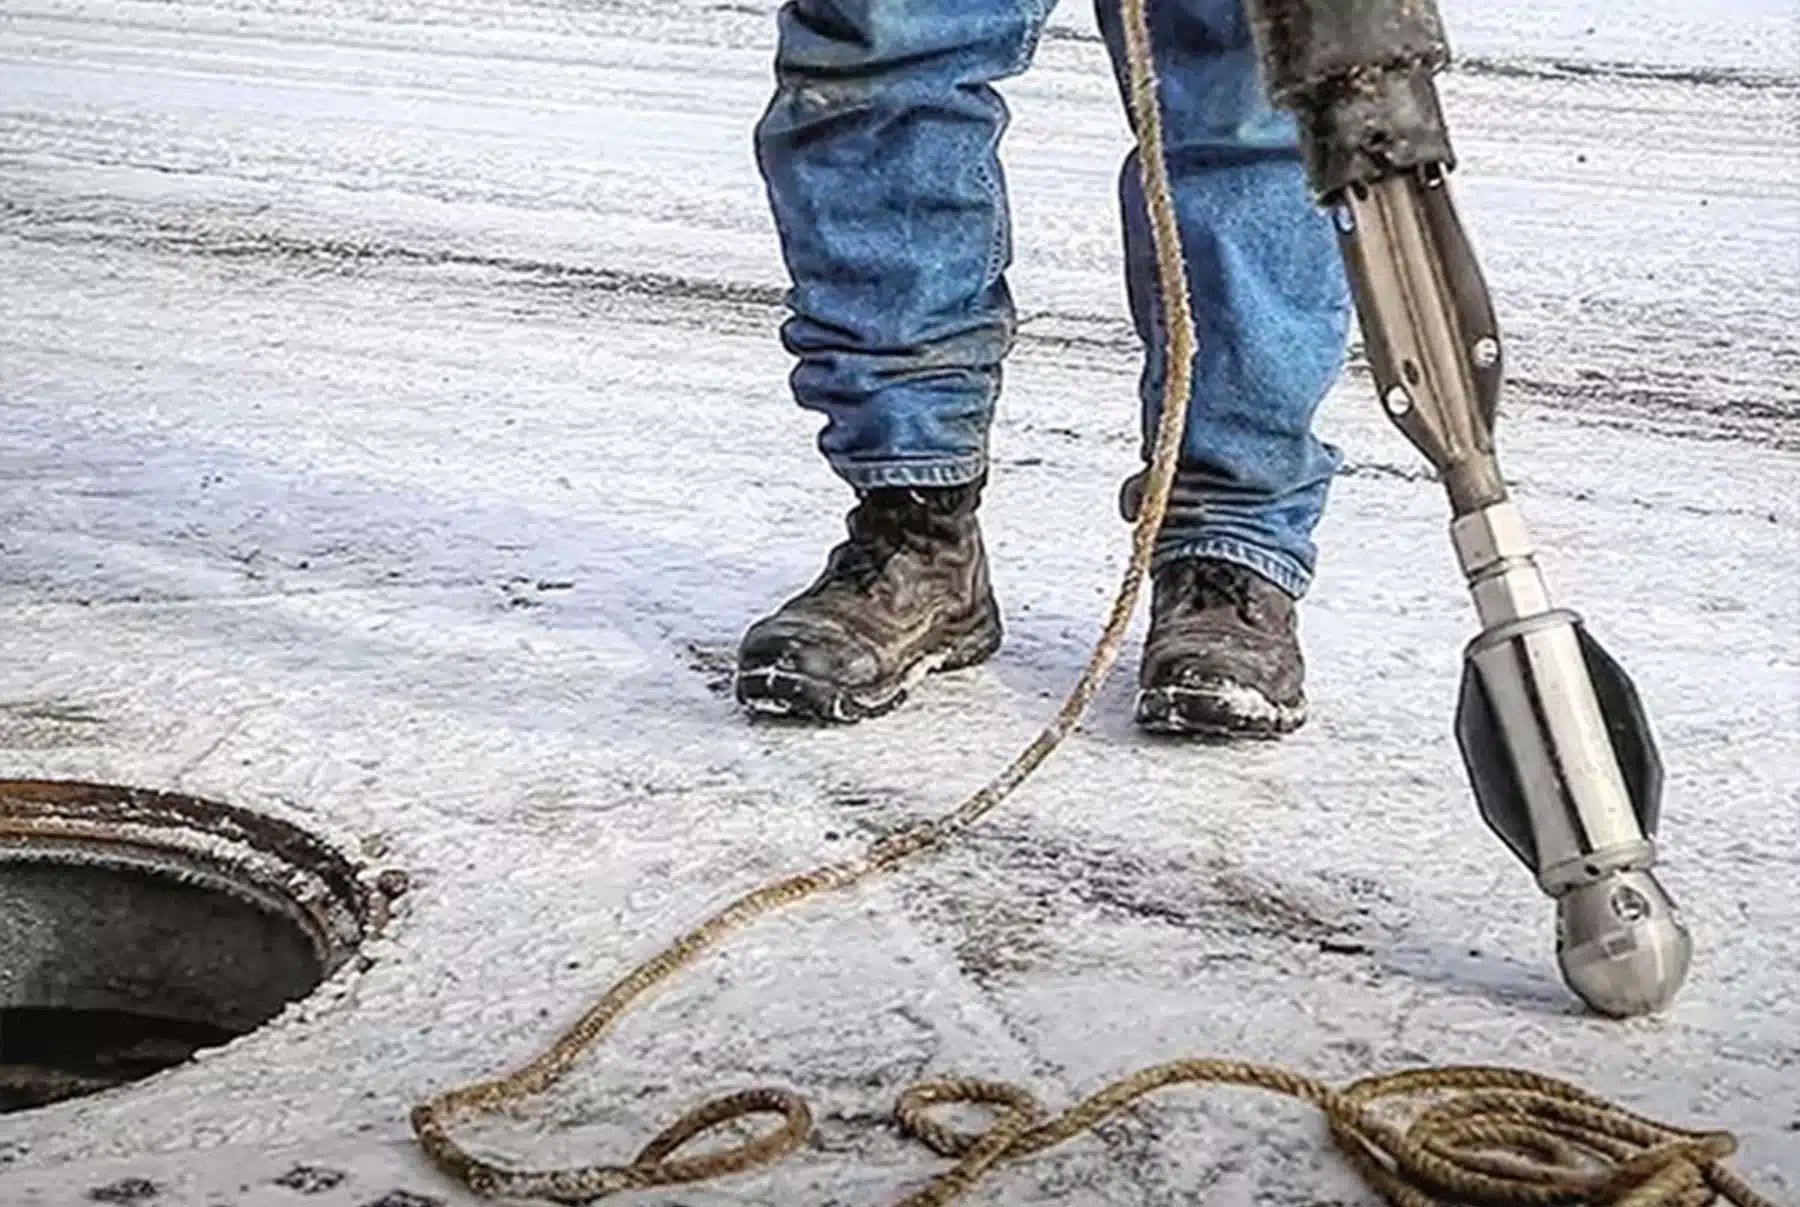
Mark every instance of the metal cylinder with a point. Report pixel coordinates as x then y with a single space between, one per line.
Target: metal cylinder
1570 788
1564 771
1500 563
1357 74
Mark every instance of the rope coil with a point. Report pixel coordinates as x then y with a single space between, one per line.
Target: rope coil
1489 1136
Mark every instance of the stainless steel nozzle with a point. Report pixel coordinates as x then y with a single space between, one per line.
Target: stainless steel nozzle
1565 770
1620 945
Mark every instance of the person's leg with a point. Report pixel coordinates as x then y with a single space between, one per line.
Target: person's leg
1271 305
1272 311
880 155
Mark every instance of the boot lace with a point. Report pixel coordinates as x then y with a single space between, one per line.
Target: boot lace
1209 584
883 524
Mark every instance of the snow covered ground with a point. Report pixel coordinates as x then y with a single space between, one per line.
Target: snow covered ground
393 436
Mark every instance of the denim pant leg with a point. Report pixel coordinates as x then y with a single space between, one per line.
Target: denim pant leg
1270 301
879 152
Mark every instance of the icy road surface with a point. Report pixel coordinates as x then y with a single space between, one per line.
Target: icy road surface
393 436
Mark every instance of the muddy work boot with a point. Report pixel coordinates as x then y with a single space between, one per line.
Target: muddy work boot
907 594
1223 657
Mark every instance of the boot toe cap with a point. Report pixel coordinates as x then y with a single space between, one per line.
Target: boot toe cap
809 651
1270 667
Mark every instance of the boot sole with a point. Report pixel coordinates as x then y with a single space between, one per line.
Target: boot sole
775 693
1216 710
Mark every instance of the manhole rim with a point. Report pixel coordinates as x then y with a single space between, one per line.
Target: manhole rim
229 848
330 898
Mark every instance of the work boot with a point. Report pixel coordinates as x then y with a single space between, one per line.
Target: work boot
907 594
1223 657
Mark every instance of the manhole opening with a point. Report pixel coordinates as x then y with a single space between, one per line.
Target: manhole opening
143 927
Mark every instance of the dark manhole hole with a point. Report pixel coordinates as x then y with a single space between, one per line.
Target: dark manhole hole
141 927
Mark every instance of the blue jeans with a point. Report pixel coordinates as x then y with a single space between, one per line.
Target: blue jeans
879 151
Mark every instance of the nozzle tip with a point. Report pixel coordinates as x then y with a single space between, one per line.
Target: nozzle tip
1621 946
